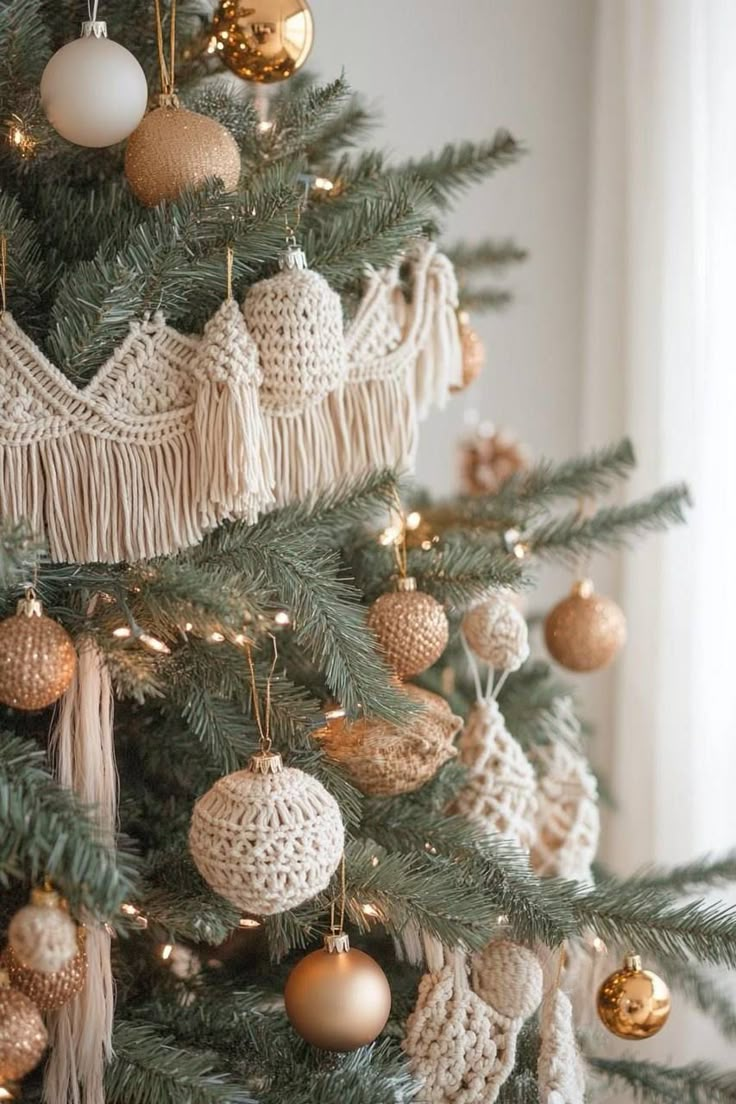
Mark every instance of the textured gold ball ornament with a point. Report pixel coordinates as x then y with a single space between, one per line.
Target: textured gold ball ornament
585 631
174 149
473 352
411 628
49 992
634 1003
383 758
42 935
267 838
263 40
23 1036
37 657
338 998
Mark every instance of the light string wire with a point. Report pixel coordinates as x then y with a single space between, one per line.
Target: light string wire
167 68
263 724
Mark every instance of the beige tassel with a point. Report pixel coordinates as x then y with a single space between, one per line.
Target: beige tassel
81 1033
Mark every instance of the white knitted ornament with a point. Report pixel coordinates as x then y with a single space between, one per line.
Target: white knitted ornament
296 321
496 631
509 977
267 838
560 1067
568 820
500 789
234 460
43 935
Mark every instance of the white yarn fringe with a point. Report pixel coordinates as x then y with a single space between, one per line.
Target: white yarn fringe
81 1033
439 363
306 451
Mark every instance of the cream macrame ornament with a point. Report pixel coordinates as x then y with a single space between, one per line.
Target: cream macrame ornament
296 321
560 1069
497 633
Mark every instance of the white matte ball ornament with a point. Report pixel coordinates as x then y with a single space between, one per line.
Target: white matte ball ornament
43 935
93 90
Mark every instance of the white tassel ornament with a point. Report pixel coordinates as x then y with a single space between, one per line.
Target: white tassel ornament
560 1069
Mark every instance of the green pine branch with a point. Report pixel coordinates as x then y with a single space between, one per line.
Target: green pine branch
472 257
698 1083
691 877
704 989
457 166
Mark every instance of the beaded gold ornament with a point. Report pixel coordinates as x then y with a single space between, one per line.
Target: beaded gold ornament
37 657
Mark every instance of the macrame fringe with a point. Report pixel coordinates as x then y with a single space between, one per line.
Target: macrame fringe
376 420
306 450
439 363
81 1033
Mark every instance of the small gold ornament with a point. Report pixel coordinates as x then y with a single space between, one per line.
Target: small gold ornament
23 1036
37 657
338 998
488 458
473 352
411 628
49 991
585 631
42 935
383 758
263 40
634 1003
174 149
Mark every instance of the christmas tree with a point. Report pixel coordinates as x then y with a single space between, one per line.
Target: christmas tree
312 679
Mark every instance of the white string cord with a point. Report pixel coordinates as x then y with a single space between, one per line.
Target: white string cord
474 670
92 6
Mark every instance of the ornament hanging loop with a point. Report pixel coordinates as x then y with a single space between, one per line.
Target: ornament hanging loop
93 27
167 67
337 940
4 272
229 269
265 761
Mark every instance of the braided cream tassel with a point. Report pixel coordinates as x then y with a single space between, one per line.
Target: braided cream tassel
81 1033
560 1070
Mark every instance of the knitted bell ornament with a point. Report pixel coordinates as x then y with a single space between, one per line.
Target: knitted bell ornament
295 319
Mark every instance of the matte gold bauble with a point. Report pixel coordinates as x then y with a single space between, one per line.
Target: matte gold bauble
23 1036
473 352
634 1003
49 992
338 998
585 631
37 657
411 628
263 40
43 935
174 149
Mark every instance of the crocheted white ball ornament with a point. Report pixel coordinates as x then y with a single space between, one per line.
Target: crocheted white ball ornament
42 935
497 633
509 977
267 838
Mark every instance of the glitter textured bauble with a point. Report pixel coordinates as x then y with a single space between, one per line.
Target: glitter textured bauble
174 149
37 658
496 631
634 1003
384 758
338 998
411 629
585 631
267 838
263 40
473 352
23 1036
93 90
49 992
42 935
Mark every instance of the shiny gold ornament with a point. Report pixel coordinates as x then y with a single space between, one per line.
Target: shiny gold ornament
383 758
411 628
263 40
338 998
49 992
473 352
23 1037
42 935
634 1003
174 149
585 631
37 657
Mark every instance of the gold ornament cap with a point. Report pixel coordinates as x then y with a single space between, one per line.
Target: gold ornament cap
406 584
337 942
266 762
30 604
46 897
583 588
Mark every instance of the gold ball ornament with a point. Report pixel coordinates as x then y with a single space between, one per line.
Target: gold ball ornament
263 40
37 657
473 352
174 149
411 628
49 992
23 1036
383 758
338 998
634 1003
42 935
585 631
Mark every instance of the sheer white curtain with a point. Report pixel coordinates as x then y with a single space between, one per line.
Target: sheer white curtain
661 365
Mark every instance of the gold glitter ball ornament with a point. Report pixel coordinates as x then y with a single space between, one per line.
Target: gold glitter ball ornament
263 40
585 631
634 1003
42 935
37 657
174 149
411 628
383 758
473 352
338 998
49 992
23 1036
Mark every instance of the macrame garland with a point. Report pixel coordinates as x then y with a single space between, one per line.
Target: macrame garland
438 366
560 1067
81 1033
236 477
